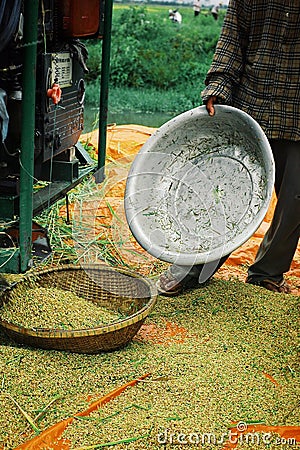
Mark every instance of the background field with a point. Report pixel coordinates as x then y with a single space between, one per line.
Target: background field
156 65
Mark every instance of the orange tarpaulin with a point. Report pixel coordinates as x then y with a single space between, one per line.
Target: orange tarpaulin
124 141
51 437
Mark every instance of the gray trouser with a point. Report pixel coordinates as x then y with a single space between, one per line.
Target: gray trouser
279 244
199 273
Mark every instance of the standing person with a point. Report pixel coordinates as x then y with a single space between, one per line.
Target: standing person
215 12
197 7
256 68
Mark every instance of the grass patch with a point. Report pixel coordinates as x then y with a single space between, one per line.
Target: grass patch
155 64
147 100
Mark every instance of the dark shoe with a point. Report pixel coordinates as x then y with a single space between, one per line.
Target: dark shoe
281 287
167 285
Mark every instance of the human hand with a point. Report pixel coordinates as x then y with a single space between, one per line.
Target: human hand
210 105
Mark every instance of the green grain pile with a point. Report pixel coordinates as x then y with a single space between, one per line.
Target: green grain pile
201 381
53 308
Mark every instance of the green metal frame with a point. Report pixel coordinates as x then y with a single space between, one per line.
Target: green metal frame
17 260
27 131
105 69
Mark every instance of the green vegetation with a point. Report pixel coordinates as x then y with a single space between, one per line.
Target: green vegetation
156 65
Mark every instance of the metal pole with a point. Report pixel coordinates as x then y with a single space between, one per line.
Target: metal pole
105 68
27 131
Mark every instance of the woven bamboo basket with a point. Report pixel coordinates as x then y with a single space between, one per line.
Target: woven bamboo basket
131 294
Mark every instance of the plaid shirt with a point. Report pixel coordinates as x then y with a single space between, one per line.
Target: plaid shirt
256 66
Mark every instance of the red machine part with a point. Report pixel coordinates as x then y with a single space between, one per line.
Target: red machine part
80 18
54 93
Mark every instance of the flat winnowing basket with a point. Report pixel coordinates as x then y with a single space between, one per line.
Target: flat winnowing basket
111 288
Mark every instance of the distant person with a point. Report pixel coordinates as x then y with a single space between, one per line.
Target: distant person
175 16
196 7
215 12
